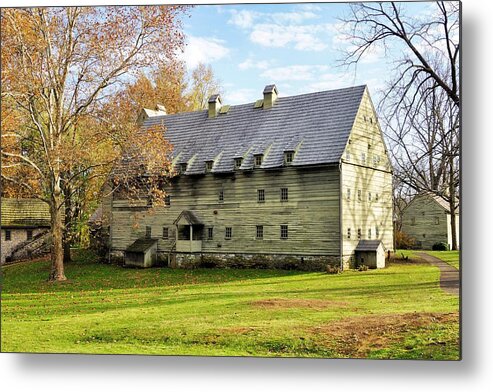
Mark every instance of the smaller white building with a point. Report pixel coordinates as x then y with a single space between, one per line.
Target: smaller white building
25 225
370 253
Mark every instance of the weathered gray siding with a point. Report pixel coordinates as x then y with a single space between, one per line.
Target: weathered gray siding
311 212
427 222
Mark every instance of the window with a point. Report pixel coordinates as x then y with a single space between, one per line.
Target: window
284 194
413 220
369 196
221 195
258 160
363 158
208 165
148 232
29 235
349 233
369 146
359 234
238 162
348 156
260 195
210 233
260 232
376 160
359 194
229 233
183 167
8 235
284 232
167 200
437 220
376 196
369 234
165 233
377 232
348 194
288 157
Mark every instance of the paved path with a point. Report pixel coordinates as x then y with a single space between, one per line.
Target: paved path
449 276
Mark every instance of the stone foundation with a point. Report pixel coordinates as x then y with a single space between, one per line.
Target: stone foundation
263 261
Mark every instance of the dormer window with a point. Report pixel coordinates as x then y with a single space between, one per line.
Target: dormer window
208 166
288 157
258 160
183 167
238 162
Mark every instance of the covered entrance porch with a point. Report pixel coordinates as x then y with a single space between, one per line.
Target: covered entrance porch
189 232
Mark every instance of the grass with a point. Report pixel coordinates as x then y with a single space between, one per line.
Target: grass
397 312
451 257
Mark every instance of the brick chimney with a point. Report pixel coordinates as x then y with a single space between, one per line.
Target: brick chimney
214 105
270 95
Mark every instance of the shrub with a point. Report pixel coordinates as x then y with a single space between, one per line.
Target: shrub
331 269
440 246
403 241
362 267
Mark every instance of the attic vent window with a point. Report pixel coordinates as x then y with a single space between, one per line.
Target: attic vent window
208 166
259 103
288 157
183 167
238 162
258 160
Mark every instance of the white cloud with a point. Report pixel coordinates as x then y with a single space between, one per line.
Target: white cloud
243 19
203 50
293 17
294 73
278 36
242 95
250 63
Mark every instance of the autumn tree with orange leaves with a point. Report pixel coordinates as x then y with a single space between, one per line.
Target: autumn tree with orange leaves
59 66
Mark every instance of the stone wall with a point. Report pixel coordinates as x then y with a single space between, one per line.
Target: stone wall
17 237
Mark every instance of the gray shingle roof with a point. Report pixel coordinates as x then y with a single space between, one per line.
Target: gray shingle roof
24 213
317 124
190 217
367 245
141 245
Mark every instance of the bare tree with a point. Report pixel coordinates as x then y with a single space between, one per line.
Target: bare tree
421 102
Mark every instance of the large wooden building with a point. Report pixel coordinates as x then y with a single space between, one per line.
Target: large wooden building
426 219
293 181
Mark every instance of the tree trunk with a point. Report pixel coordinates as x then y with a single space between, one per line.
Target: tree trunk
68 226
452 204
57 271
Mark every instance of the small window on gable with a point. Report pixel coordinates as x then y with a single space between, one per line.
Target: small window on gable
369 146
288 157
413 220
359 194
229 233
29 235
377 232
359 234
376 160
238 162
348 156
437 220
348 194
208 166
221 195
8 235
210 233
258 160
148 231
260 232
371 120
260 195
349 233
167 200
165 233
369 196
369 234
363 158
376 196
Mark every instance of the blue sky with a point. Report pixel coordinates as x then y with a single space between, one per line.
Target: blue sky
295 46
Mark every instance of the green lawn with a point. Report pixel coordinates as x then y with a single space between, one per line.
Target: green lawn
397 312
450 256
